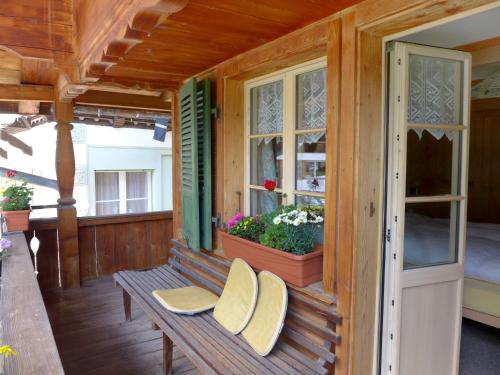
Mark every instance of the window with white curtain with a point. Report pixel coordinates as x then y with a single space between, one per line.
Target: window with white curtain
119 192
286 137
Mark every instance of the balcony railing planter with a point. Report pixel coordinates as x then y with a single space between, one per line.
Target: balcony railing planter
299 270
15 203
16 221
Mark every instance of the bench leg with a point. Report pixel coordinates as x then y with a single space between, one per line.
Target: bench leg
168 352
127 305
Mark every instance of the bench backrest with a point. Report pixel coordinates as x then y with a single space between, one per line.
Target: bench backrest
309 325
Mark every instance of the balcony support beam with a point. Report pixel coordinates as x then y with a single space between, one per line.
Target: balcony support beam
67 225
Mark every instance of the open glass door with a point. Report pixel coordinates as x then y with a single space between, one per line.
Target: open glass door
429 109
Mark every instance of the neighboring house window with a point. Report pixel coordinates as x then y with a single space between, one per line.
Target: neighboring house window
119 192
285 137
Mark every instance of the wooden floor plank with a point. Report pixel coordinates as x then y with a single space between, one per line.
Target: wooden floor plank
94 339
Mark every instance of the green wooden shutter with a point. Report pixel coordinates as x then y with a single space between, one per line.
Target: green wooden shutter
204 123
189 164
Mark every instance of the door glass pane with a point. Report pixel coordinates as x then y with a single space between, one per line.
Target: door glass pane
435 90
310 162
266 108
311 99
137 192
430 236
432 156
266 160
263 201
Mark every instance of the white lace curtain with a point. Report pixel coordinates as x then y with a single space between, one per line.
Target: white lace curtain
311 102
433 93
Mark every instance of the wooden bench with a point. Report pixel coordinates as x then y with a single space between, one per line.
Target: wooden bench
306 345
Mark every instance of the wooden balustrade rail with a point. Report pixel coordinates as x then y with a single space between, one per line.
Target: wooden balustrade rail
25 324
106 244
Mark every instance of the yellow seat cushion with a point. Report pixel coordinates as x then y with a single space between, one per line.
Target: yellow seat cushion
268 319
237 302
188 300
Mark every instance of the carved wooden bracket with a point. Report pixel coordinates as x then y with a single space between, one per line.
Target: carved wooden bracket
130 24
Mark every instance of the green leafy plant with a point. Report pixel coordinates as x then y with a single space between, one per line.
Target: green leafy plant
289 228
292 229
247 227
16 195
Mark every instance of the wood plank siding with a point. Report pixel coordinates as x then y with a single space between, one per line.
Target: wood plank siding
106 244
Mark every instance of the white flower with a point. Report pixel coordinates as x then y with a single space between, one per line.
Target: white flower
277 220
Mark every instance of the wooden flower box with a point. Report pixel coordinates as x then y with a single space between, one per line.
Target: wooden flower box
299 270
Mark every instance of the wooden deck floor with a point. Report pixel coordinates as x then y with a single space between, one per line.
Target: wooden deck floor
93 338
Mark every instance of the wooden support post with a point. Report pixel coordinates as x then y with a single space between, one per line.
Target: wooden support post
66 212
168 354
127 305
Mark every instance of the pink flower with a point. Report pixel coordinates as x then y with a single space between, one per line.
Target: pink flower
5 200
234 220
11 173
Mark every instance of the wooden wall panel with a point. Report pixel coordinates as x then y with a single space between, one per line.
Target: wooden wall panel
106 244
47 257
86 244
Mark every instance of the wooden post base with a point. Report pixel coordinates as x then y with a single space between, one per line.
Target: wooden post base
127 305
168 354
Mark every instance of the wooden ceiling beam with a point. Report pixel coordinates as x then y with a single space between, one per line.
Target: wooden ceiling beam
115 27
39 93
116 100
485 56
482 44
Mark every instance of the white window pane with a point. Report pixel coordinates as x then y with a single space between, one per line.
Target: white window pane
266 107
106 186
107 208
310 162
266 160
263 201
435 90
430 234
137 205
137 185
311 99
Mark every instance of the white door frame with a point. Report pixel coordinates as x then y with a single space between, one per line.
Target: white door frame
395 279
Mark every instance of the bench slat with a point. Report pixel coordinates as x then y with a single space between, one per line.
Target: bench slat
178 333
237 341
171 278
201 333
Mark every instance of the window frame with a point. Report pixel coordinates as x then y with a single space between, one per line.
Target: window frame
122 190
289 107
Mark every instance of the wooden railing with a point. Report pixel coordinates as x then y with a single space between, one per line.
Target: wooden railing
106 244
25 324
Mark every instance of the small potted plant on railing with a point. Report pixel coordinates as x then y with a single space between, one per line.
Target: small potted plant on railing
15 203
282 241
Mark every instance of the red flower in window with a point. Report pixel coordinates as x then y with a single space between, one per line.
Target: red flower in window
270 185
10 173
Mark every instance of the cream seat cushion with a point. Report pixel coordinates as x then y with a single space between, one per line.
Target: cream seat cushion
268 319
237 302
188 300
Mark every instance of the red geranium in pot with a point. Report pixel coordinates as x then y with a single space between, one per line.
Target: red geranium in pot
15 203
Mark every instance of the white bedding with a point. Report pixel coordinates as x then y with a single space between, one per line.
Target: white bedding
426 240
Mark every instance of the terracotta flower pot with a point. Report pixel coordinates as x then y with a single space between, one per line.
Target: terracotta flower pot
300 270
17 220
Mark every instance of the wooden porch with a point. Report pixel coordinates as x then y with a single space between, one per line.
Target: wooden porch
93 338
